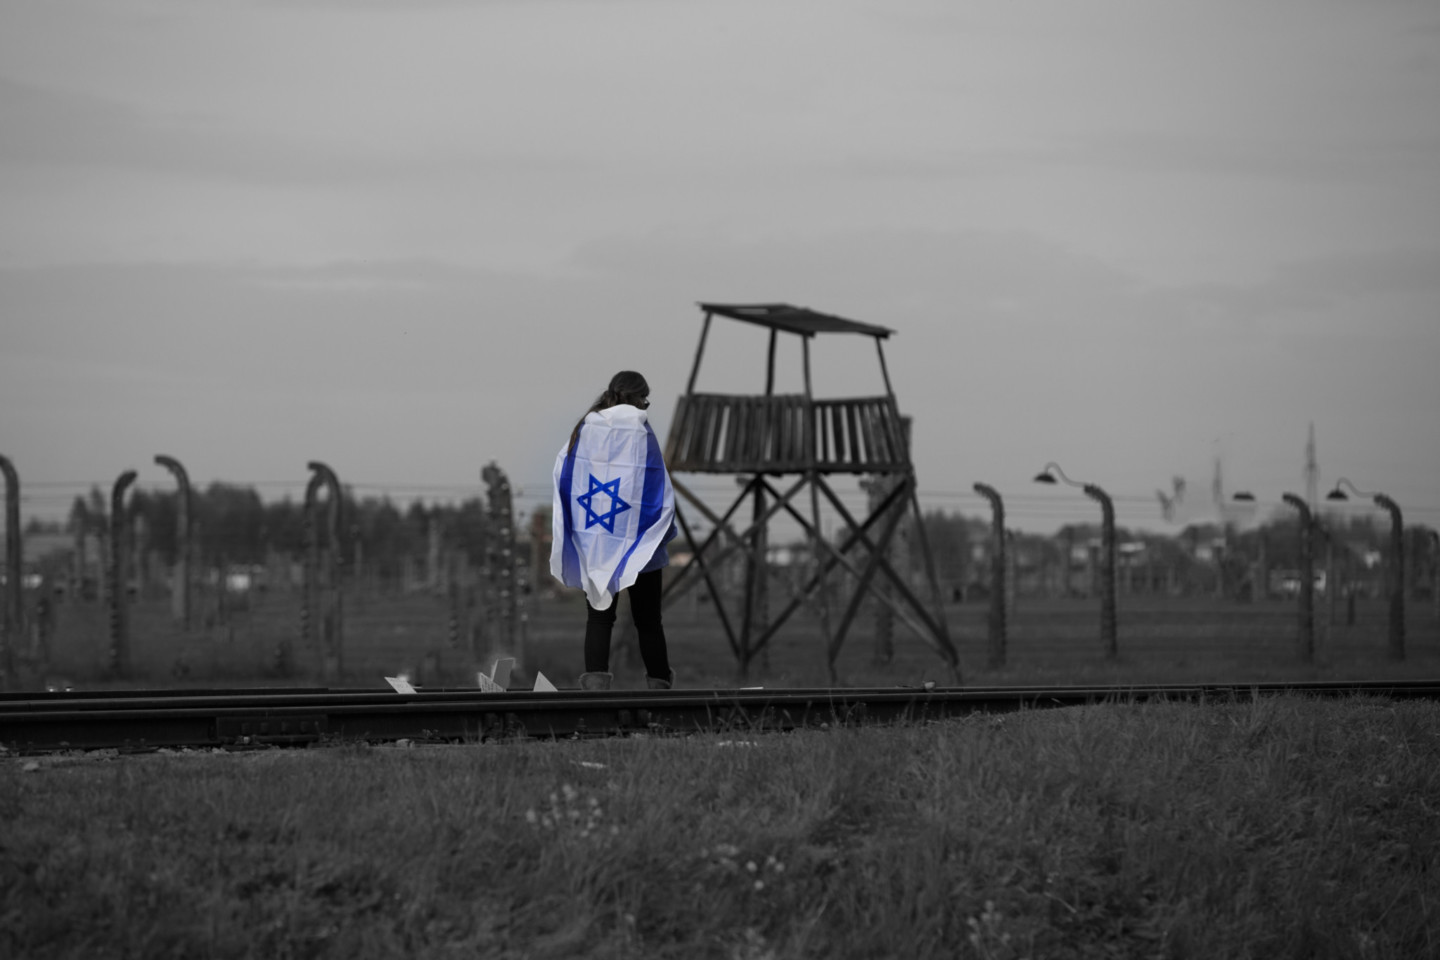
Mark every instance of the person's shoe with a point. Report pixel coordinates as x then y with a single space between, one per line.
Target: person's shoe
655 683
596 680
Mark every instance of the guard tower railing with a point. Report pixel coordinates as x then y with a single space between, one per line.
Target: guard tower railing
785 433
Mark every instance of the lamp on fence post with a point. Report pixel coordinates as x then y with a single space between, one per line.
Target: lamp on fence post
1107 548
1306 639
1397 562
997 575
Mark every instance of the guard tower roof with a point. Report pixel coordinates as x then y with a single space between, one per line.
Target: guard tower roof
801 320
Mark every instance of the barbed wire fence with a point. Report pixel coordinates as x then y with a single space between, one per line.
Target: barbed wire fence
477 554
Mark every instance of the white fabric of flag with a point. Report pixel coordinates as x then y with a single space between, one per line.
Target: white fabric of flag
613 507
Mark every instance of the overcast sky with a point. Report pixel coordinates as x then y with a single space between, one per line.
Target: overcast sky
408 239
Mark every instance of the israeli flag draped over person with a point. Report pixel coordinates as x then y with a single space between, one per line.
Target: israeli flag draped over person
614 506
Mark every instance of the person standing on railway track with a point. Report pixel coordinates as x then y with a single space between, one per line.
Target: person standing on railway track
613 513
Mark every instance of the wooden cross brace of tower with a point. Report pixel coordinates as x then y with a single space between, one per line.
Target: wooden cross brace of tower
774 435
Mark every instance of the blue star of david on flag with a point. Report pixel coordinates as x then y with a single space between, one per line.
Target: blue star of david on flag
617 506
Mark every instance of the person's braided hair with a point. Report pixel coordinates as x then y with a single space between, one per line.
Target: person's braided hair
627 386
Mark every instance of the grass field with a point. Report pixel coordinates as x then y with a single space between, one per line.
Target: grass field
1282 828
1050 641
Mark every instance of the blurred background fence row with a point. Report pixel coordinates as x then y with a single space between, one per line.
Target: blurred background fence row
185 587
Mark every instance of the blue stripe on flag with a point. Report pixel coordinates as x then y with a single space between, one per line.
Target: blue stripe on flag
652 500
570 559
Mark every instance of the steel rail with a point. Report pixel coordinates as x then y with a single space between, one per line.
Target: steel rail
138 721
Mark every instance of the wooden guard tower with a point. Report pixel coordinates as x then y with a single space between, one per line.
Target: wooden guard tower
760 438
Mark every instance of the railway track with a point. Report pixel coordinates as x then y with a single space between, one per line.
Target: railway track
138 721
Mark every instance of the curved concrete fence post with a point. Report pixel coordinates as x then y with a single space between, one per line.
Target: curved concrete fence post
1305 640
1108 617
322 569
180 587
998 567
118 581
13 601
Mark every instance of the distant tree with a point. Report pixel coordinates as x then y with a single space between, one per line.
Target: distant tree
1198 535
540 523
465 528
88 515
417 517
99 503
37 525
161 515
1165 550
949 537
1079 534
232 525
389 537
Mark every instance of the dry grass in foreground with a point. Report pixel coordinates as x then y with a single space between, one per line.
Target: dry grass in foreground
1282 828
